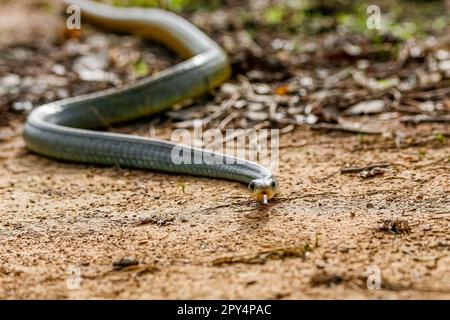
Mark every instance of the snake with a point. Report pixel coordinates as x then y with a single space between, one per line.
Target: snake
70 129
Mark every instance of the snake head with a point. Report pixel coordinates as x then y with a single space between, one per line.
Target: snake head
263 189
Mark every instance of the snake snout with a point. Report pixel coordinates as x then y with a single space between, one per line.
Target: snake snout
263 189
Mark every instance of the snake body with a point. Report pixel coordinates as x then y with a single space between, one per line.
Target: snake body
66 129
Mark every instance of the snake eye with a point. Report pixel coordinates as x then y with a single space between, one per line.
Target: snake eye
273 184
252 185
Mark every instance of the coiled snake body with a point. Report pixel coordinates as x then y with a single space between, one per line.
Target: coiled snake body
65 129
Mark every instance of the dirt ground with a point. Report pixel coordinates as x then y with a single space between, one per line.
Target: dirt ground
65 226
59 216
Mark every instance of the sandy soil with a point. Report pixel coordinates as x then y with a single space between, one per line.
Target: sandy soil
63 226
58 218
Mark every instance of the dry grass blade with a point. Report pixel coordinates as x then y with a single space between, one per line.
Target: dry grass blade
262 257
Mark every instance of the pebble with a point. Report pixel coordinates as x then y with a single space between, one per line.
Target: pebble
367 107
262 88
58 69
257 116
229 89
93 61
444 65
443 54
22 106
240 104
9 84
125 262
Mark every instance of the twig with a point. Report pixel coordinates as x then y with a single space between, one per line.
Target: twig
328 176
328 126
422 118
293 145
359 169
436 93
309 195
227 104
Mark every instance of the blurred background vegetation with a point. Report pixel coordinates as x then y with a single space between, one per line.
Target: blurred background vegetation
402 18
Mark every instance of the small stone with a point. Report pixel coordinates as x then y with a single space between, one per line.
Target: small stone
262 88
229 89
444 65
306 81
443 55
93 61
22 106
367 107
363 64
240 104
10 81
125 262
58 69
62 93
352 50
311 119
257 116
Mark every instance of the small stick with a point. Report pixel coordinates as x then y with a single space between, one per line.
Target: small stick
329 126
359 169
425 118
